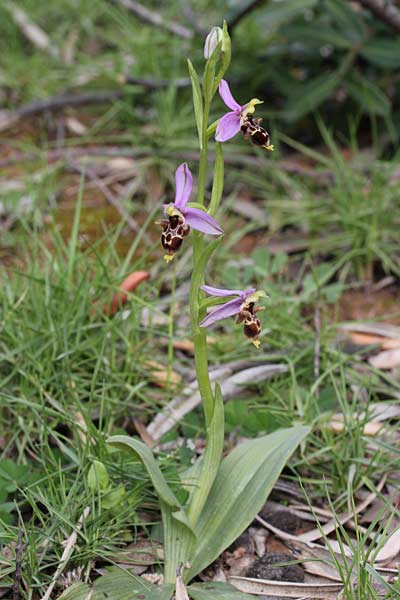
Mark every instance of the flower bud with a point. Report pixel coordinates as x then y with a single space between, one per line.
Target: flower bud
212 41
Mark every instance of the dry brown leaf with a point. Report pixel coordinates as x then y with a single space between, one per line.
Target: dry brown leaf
326 529
75 126
120 298
139 555
180 593
338 425
388 359
390 549
365 339
264 587
161 376
144 434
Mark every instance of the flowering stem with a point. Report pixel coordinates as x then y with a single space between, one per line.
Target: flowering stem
200 258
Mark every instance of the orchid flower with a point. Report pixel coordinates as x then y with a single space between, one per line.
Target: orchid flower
240 119
180 217
243 306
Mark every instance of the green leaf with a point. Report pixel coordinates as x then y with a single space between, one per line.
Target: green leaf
197 100
216 591
278 13
118 584
347 19
98 478
382 52
243 482
310 95
368 95
218 183
151 466
211 459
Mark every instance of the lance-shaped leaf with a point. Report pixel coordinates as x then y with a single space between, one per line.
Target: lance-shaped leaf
118 584
149 462
197 100
243 482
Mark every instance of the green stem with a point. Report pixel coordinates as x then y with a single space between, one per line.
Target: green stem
199 334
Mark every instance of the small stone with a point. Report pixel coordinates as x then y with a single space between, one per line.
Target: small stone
264 568
283 520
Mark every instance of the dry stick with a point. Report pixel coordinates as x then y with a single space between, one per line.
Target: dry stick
109 196
31 31
385 11
10 118
154 18
69 545
18 565
241 14
317 344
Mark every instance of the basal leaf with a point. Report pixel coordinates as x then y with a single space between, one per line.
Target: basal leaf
216 591
242 484
118 584
151 466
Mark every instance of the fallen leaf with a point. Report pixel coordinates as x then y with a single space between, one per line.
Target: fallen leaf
281 589
390 549
161 376
180 593
338 425
120 298
388 359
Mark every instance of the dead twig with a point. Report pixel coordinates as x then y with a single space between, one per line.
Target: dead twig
231 384
10 118
385 11
154 18
317 344
111 198
19 550
69 546
30 30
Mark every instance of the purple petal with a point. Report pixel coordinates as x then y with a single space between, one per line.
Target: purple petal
228 126
222 312
212 291
200 220
227 97
184 185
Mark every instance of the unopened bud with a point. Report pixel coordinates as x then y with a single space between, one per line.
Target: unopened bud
212 41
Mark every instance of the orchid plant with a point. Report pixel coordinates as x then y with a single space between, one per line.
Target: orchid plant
223 494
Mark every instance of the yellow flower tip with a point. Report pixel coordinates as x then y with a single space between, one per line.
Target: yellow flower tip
256 296
251 107
168 257
172 211
256 343
270 147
